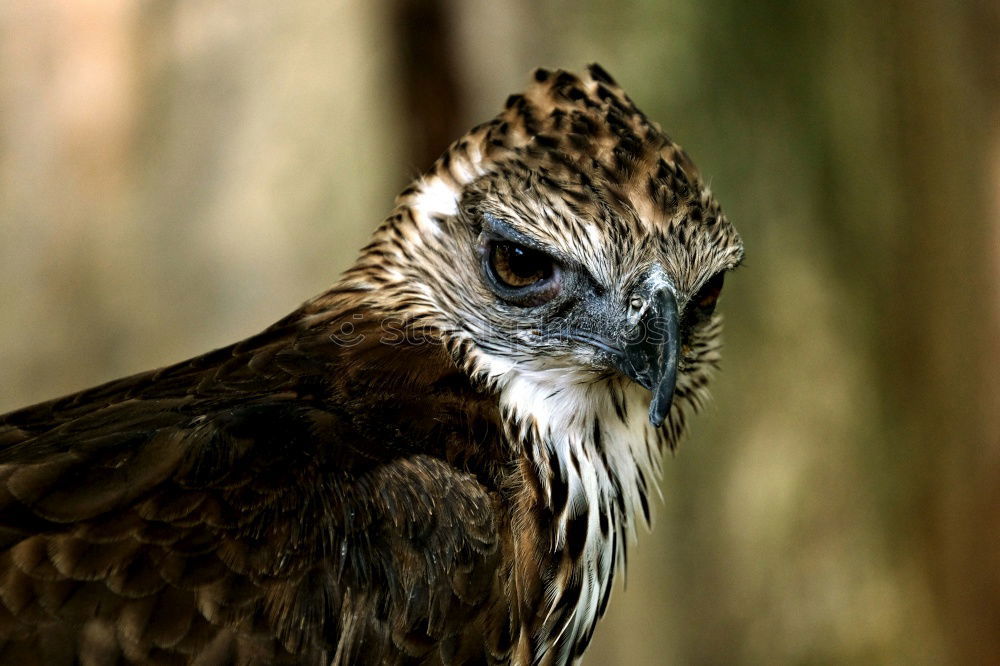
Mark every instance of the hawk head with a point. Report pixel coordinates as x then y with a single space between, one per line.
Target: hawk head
569 257
567 244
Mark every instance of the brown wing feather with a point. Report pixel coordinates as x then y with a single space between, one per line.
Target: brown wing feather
280 500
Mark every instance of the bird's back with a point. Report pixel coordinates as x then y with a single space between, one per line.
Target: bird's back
242 507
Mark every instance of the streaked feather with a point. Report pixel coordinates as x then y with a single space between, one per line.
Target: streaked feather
436 487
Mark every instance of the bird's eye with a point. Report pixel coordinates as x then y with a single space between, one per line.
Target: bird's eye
516 266
703 302
521 275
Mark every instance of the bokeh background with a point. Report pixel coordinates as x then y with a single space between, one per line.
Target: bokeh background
177 175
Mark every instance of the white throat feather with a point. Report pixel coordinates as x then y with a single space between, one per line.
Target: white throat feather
597 458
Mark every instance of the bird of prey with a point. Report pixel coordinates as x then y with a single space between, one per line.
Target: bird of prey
439 460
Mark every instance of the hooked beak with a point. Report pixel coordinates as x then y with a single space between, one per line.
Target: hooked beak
652 347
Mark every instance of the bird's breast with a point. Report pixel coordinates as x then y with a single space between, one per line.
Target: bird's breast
588 456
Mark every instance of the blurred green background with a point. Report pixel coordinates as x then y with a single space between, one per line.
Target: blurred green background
177 175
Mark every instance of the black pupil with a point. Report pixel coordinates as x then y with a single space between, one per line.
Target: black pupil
523 263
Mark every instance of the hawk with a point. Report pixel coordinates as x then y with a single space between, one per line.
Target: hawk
439 460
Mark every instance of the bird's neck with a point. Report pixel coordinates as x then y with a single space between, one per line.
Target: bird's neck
589 460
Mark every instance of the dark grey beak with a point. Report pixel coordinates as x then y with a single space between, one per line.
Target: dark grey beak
652 347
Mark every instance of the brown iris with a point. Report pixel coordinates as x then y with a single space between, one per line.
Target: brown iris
516 266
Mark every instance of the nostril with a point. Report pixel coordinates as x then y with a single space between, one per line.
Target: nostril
637 307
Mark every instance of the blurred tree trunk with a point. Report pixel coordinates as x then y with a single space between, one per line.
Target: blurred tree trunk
942 362
432 101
